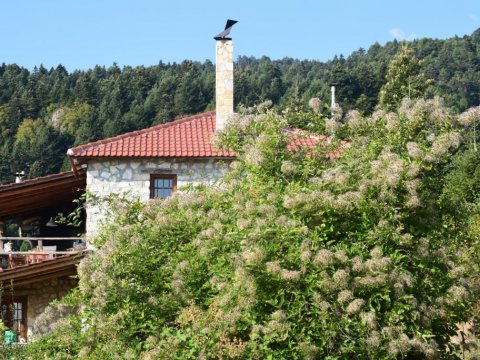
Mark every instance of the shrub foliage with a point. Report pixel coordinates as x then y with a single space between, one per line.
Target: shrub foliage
348 250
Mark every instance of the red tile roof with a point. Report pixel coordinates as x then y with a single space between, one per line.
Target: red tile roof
304 140
301 139
189 137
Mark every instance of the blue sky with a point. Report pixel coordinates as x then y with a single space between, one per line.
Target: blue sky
82 33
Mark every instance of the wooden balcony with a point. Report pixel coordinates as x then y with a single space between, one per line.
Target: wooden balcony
57 247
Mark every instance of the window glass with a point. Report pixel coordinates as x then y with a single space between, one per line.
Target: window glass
162 186
13 315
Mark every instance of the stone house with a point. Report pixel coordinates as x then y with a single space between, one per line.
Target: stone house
151 163
156 161
145 164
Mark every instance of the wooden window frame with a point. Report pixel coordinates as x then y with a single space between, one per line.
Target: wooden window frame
9 320
153 177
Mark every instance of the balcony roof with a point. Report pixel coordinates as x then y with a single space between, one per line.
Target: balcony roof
61 266
34 195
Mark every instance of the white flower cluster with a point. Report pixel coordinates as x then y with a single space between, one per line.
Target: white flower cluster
387 169
274 268
254 256
470 117
288 167
392 122
442 144
432 110
414 150
353 119
316 105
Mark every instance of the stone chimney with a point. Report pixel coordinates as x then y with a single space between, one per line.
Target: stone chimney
223 82
224 76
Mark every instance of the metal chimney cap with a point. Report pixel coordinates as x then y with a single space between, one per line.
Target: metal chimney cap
224 33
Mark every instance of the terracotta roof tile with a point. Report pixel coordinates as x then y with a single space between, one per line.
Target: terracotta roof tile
304 140
187 137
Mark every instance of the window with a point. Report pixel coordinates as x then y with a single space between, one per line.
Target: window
162 185
13 315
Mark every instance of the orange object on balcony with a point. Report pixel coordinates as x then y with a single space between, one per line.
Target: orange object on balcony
16 260
35 258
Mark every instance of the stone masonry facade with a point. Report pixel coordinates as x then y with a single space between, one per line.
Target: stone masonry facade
41 294
131 177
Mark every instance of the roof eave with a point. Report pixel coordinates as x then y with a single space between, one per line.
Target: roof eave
84 159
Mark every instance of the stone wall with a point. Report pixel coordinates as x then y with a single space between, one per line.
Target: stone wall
40 295
131 177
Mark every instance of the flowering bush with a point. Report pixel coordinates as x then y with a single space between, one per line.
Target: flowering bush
296 253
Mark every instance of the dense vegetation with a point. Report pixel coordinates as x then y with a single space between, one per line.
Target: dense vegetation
366 246
45 111
295 254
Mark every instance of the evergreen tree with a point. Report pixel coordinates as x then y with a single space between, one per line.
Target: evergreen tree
403 79
129 98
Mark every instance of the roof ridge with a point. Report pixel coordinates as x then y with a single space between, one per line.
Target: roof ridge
307 133
75 150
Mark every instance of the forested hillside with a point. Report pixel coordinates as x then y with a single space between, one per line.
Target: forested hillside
45 111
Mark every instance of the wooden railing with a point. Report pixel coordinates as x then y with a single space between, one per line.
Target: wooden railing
39 240
12 259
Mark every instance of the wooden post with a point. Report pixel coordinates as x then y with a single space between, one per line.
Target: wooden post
1 235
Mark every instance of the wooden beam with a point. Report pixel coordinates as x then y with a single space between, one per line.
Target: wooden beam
40 277
38 194
67 188
39 269
14 238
